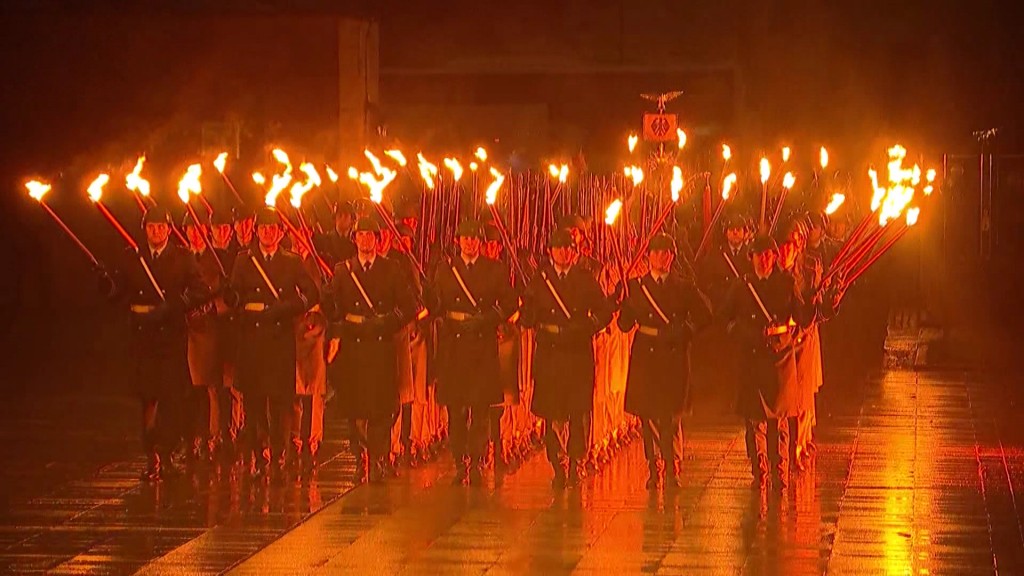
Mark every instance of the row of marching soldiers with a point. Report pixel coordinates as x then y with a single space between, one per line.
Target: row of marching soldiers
235 339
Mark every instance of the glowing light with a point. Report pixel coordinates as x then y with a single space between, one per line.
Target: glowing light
376 185
834 204
259 178
397 156
96 188
677 182
611 214
331 173
190 183
727 185
281 157
788 181
553 170
37 189
786 153
823 158
481 154
637 174
134 180
563 173
473 166
912 215
310 171
492 190
930 175
766 170
633 139
428 171
353 173
221 162
682 137
726 152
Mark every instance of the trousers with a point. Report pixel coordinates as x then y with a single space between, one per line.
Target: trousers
663 437
468 429
566 440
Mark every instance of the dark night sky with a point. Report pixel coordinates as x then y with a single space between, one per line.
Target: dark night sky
81 88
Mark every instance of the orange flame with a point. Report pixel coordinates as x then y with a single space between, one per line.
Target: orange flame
481 154
553 170
397 156
611 214
278 183
428 171
766 170
96 188
786 153
221 162
456 168
258 178
189 183
492 190
377 186
834 204
563 173
637 174
353 173
823 158
788 181
726 152
727 185
134 180
632 140
473 166
912 215
677 182
37 189
310 171
331 173
682 137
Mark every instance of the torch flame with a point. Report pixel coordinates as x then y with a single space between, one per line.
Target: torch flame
553 170
37 189
397 156
96 188
894 199
134 181
456 168
823 157
677 182
331 173
377 166
282 157
311 173
788 181
726 152
638 175
220 162
633 139
492 190
786 153
189 183
727 185
481 154
912 215
377 186
834 204
682 137
766 170
258 178
473 166
353 173
611 214
563 173
278 183
427 170
930 175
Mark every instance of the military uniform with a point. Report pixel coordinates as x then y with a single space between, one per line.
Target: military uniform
365 372
657 384
310 375
769 388
468 381
159 342
266 360
563 361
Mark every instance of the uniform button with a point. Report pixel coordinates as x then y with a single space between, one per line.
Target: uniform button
257 288
457 299
359 339
257 324
458 336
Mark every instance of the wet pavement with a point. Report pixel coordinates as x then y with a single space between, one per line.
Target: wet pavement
916 473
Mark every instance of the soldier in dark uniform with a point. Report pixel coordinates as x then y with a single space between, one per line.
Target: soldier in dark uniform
159 343
769 389
270 289
669 311
337 245
472 296
409 341
368 302
230 414
566 306
716 274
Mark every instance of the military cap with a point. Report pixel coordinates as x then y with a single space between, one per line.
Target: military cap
407 210
220 217
491 233
188 220
662 242
469 228
267 216
572 221
367 224
561 239
239 213
763 243
344 207
734 220
156 215
405 231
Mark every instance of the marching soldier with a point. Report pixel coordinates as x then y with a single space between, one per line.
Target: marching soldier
472 296
669 311
230 414
766 309
410 344
566 306
337 246
162 286
368 302
271 290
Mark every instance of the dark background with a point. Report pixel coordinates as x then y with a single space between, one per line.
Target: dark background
88 85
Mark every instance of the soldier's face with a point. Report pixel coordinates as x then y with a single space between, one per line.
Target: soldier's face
157 233
562 256
493 249
243 230
764 262
195 237
270 235
661 260
221 235
735 236
787 254
470 246
366 242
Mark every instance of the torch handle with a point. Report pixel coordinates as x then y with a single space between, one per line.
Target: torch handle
206 239
853 239
308 245
232 188
394 230
647 242
861 250
70 234
707 231
874 257
311 246
512 255
117 225
778 211
152 278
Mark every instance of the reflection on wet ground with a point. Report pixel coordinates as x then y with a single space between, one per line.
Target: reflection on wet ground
915 473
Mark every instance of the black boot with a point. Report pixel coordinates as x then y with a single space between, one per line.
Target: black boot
674 475
654 476
576 474
378 471
560 481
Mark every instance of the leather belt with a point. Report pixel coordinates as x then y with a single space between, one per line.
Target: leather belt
254 307
648 330
550 328
458 316
777 330
141 308
355 319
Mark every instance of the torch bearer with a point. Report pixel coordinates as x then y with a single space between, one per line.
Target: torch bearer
95 194
37 190
188 185
376 188
139 186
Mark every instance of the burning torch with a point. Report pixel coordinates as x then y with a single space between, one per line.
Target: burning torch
37 190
